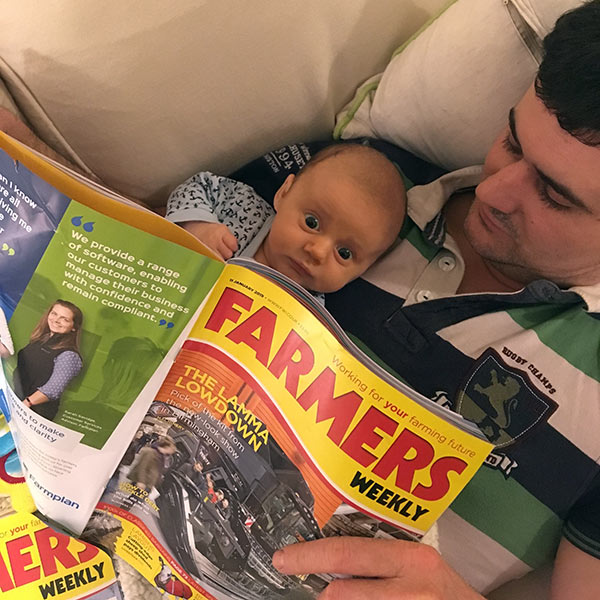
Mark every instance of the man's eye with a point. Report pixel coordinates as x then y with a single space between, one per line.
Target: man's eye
549 201
311 221
510 146
345 253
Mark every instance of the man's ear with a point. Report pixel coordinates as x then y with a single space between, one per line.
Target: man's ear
282 191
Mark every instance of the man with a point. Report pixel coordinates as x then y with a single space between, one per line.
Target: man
148 468
195 472
518 354
525 248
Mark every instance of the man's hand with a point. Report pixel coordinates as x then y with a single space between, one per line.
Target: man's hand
215 235
390 569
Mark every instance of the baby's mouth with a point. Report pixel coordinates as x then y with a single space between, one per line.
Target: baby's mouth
299 268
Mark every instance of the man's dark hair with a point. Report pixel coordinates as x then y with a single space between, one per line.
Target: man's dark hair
568 81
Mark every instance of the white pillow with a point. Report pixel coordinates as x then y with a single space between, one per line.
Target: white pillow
445 95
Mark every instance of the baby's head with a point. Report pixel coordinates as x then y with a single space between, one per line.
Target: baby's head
341 212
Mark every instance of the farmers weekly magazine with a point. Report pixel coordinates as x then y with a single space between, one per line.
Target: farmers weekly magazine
206 413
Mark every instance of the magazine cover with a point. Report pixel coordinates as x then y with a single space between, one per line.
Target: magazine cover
37 562
265 432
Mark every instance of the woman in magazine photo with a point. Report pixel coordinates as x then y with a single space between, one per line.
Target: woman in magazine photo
51 359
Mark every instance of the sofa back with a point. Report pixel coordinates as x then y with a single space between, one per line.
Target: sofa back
145 93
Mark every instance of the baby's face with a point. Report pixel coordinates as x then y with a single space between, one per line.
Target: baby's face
328 230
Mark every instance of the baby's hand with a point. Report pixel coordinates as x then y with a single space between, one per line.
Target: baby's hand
215 235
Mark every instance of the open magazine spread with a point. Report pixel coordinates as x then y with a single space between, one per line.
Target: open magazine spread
281 435
232 411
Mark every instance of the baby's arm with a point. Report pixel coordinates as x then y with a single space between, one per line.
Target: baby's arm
215 235
200 205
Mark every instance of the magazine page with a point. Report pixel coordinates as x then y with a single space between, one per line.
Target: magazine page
37 562
324 316
14 492
266 432
93 307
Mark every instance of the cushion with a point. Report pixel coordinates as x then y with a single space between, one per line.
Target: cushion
18 99
148 93
442 98
6 100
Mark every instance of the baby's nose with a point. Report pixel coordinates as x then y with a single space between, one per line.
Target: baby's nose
317 249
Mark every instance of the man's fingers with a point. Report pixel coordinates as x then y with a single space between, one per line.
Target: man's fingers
366 589
391 589
394 569
364 557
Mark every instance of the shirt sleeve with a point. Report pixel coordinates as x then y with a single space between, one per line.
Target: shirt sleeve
215 199
582 527
66 365
206 197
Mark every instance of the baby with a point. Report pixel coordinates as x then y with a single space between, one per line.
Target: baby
331 221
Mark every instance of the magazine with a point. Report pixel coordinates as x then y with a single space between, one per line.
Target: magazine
113 263
37 561
233 412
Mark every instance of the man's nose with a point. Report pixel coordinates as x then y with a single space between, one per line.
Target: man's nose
507 188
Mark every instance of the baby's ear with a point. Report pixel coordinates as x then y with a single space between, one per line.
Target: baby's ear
283 190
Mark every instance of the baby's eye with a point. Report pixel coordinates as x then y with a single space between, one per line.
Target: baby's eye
311 221
345 253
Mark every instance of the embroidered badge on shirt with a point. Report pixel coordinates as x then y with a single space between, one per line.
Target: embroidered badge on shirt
502 400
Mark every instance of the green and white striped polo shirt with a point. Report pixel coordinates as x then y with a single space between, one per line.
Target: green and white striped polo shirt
525 366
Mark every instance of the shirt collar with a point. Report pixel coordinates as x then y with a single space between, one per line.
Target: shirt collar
425 204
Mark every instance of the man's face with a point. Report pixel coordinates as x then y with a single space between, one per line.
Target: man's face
328 229
536 214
